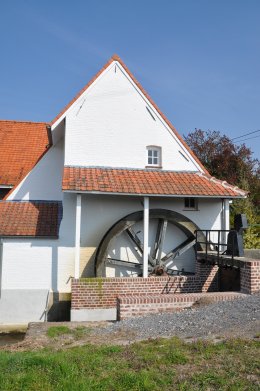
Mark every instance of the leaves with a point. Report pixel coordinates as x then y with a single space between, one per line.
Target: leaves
235 164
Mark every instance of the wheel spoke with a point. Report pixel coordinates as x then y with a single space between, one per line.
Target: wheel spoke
180 249
132 235
161 241
120 262
157 238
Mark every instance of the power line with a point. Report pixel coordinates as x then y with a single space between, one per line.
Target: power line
249 138
246 134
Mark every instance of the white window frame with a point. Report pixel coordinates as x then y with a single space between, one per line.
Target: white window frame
154 156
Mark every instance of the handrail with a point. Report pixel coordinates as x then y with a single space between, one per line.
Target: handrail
207 241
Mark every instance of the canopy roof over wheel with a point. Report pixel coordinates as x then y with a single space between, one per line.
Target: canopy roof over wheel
146 182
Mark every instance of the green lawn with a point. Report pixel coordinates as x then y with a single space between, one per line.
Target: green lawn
162 364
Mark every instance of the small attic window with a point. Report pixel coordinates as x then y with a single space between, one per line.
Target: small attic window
191 203
154 156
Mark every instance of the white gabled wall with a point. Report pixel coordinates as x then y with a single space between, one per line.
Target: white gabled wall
110 125
44 181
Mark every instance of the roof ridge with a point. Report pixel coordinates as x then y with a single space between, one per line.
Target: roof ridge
225 184
27 122
31 201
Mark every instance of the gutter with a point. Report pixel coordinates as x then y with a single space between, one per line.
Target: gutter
153 195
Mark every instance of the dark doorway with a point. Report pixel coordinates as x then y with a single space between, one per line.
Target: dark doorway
229 279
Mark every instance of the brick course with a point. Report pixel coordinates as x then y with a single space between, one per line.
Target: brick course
129 307
250 276
140 296
103 292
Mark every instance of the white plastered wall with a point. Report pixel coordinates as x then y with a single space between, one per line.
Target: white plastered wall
42 263
109 125
44 181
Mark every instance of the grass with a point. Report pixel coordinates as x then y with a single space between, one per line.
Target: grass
77 333
57 331
161 364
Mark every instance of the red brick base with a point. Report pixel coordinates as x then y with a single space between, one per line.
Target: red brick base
250 276
90 293
138 296
129 307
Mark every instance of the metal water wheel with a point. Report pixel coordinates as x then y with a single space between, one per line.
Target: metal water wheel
158 258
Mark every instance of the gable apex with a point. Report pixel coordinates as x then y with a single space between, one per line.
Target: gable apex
116 59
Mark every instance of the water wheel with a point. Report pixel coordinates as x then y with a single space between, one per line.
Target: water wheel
171 245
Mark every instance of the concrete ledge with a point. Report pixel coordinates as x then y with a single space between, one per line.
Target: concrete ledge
22 305
13 328
252 253
93 315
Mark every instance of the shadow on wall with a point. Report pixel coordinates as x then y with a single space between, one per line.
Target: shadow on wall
205 280
51 222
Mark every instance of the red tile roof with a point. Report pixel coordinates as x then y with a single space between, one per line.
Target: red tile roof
115 57
33 219
22 144
148 182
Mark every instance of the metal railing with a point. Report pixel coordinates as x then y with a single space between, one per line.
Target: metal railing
217 248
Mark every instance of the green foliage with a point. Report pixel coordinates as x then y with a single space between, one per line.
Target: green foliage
155 365
235 164
251 234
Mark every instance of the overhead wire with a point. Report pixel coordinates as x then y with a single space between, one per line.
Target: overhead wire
249 138
246 134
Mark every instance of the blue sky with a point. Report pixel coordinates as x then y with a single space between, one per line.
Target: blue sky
198 59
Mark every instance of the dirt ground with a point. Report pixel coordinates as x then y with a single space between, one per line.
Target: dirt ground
37 338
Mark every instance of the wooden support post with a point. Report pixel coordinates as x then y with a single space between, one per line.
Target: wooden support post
77 236
146 237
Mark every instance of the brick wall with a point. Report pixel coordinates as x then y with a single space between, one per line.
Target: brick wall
93 293
129 307
250 276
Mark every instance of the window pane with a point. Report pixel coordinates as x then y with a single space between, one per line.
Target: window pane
186 202
154 156
192 202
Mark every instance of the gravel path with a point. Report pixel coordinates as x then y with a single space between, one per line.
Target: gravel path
238 318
